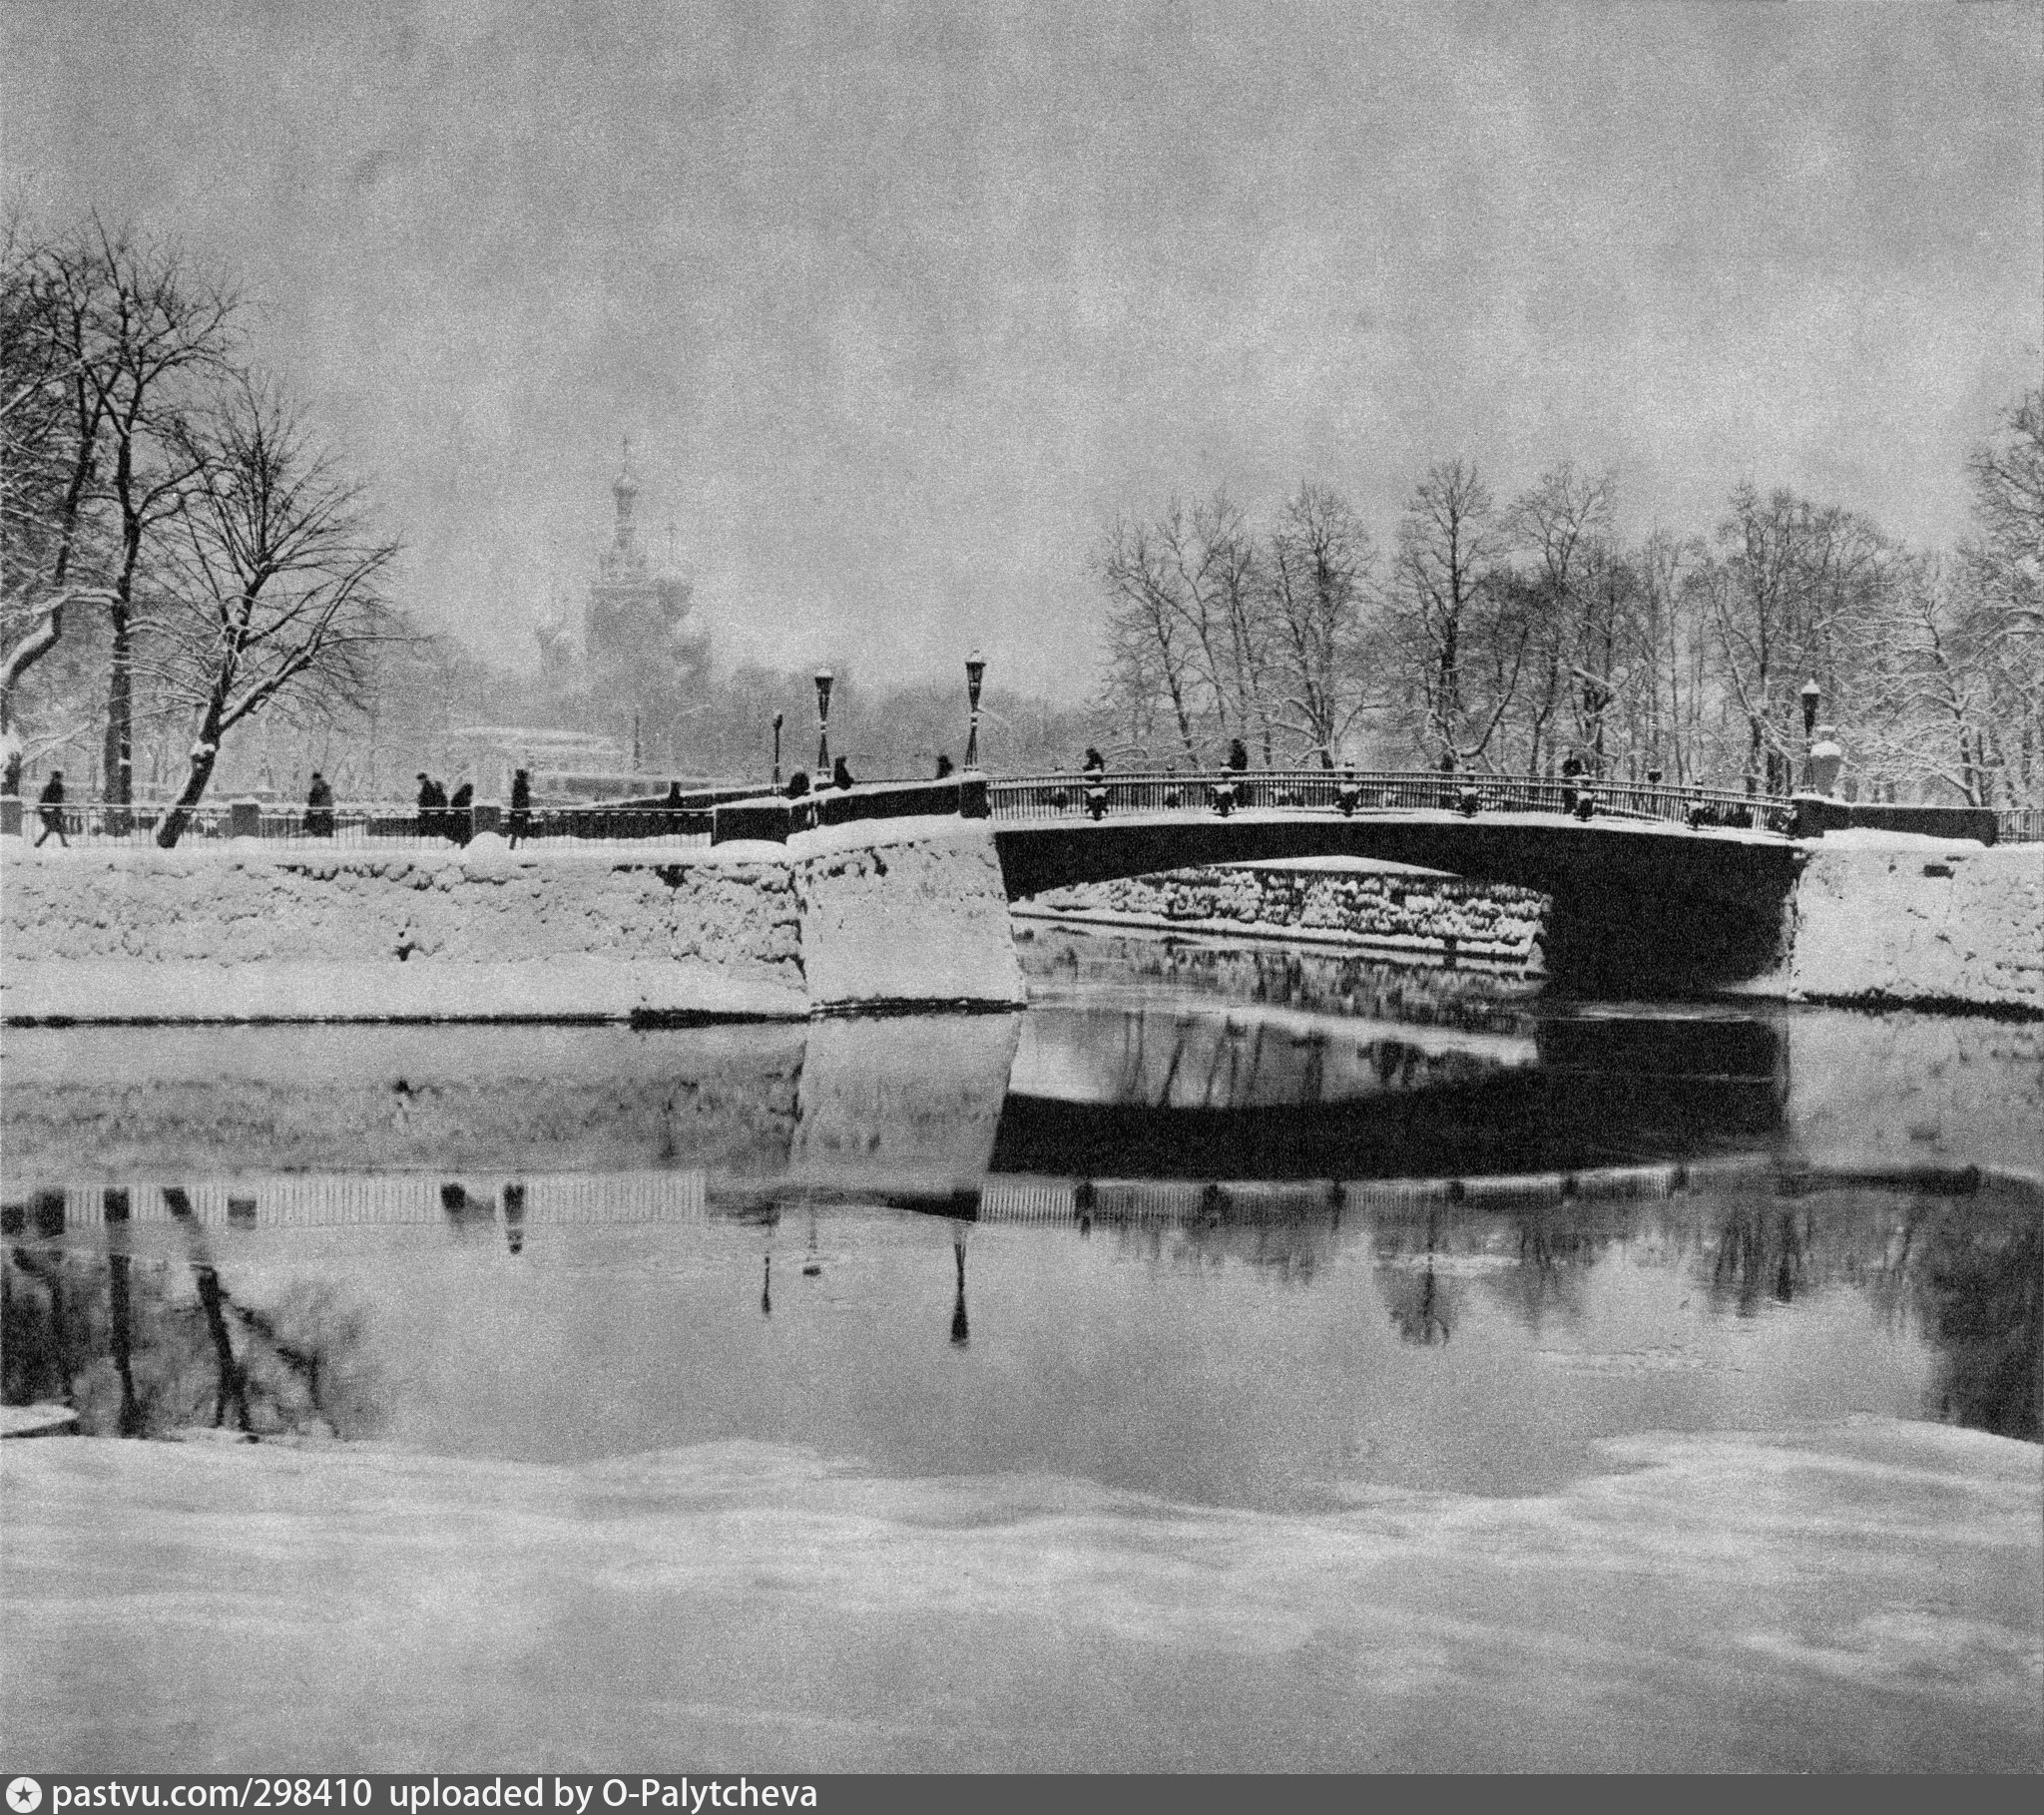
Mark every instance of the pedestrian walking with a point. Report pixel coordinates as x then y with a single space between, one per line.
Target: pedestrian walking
460 822
520 823
50 806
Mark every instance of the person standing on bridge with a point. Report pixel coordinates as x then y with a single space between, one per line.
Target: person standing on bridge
1571 775
1239 764
1094 769
840 774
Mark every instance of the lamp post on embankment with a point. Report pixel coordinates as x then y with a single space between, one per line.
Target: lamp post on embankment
1810 694
776 753
975 672
824 678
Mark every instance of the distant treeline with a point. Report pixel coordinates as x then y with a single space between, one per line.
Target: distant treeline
1504 636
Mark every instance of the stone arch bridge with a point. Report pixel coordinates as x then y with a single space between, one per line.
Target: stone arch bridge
1637 890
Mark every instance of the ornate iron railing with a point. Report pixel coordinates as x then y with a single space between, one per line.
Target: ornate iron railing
1096 795
1074 794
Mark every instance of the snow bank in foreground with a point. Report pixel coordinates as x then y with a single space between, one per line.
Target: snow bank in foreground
1874 1584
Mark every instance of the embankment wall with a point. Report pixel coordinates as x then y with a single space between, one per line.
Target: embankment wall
1877 919
1891 918
832 920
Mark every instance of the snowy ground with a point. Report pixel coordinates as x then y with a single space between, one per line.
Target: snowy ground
1715 1603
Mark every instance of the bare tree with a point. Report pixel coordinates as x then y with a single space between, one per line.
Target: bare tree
1790 599
2004 604
146 335
1149 644
1926 693
276 581
1320 566
1672 696
1461 632
1565 522
49 435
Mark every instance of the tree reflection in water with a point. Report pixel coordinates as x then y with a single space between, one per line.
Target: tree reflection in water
1557 1247
961 1331
122 1338
1422 1301
1980 1294
1761 1255
111 1336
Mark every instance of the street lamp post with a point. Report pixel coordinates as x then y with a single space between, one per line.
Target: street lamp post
776 753
975 672
1810 694
824 678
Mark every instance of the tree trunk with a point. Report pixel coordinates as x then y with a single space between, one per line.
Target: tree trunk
119 757
204 755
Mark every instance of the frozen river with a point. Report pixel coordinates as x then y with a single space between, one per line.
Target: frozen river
1237 1361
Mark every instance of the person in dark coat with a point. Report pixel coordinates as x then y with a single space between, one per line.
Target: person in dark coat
840 776
460 818
1094 769
1570 775
943 765
520 823
798 784
1238 754
318 809
50 805
430 802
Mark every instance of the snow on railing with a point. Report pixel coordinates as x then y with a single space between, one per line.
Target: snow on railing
1094 794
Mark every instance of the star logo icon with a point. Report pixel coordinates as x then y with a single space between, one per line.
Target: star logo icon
23 1796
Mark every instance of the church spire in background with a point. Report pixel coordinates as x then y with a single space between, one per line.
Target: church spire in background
625 489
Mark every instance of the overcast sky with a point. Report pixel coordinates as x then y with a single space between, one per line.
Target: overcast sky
899 303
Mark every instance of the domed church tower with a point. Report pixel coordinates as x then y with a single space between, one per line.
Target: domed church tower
638 648
633 611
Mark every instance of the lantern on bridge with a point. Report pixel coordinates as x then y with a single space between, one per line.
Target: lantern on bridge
975 672
823 679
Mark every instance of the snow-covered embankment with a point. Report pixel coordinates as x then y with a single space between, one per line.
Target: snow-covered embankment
603 931
1889 918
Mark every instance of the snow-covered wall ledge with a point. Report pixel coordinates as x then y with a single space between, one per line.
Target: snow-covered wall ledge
831 921
1895 918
